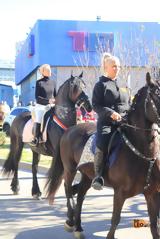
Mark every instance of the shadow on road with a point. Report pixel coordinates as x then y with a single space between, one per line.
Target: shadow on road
38 220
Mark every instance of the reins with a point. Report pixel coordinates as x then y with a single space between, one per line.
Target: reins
151 160
139 128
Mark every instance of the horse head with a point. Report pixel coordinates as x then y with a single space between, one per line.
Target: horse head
70 93
76 87
154 116
143 125
145 108
152 100
77 94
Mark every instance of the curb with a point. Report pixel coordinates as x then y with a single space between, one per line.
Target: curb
28 167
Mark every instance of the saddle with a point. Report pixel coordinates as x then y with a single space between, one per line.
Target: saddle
27 135
113 147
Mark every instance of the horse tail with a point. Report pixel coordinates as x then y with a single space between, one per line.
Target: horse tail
55 176
11 163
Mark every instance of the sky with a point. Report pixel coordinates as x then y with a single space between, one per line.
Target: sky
17 17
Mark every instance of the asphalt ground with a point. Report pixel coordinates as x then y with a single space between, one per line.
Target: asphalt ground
22 217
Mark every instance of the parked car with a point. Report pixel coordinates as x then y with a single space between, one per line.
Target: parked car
85 116
10 117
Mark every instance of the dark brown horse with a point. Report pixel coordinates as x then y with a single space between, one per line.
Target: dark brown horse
70 94
136 168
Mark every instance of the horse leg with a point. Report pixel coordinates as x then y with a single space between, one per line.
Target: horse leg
55 176
118 202
84 185
36 193
153 205
68 178
15 183
15 152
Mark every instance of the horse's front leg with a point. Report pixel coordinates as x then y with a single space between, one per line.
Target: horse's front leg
69 224
15 183
83 187
153 204
118 202
36 193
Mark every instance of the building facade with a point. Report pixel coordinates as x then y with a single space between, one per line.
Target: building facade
76 46
8 88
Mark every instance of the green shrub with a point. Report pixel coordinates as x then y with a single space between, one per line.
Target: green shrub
2 138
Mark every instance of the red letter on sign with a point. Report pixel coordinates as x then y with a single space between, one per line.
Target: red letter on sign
78 40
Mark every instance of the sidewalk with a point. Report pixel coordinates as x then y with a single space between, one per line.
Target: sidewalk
18 212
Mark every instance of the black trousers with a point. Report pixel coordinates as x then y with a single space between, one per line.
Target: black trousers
104 133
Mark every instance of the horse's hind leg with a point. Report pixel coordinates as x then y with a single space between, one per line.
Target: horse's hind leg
36 193
15 183
84 185
153 204
117 207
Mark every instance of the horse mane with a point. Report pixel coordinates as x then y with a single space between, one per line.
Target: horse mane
61 86
136 99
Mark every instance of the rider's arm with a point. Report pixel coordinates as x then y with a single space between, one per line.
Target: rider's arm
98 102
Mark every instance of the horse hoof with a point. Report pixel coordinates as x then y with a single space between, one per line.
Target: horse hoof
68 228
79 235
15 192
37 197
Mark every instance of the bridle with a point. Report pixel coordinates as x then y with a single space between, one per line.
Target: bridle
153 105
155 112
67 109
151 160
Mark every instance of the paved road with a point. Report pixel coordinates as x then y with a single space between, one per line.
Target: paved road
22 217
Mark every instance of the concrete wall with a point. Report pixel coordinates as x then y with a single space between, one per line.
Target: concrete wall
90 76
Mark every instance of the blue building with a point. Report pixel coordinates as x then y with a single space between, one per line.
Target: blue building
6 94
77 45
7 82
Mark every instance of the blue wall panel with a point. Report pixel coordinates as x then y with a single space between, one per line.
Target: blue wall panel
66 43
6 94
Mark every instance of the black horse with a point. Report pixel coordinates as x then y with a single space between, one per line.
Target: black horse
136 168
64 115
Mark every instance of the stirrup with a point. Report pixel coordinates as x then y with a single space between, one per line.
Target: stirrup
40 140
98 183
34 142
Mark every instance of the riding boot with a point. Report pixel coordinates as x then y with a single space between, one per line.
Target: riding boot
36 134
98 181
39 134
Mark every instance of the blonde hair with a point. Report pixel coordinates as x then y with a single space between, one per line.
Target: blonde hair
45 69
107 58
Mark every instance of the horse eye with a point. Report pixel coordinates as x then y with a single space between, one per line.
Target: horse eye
157 92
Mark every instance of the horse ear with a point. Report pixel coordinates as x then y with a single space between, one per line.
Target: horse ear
149 80
72 77
81 75
148 77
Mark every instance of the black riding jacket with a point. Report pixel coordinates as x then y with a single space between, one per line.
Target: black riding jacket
45 90
109 97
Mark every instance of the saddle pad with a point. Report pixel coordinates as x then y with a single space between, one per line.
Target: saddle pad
89 151
87 154
113 156
27 135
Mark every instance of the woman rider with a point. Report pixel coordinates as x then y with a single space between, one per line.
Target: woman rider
110 102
